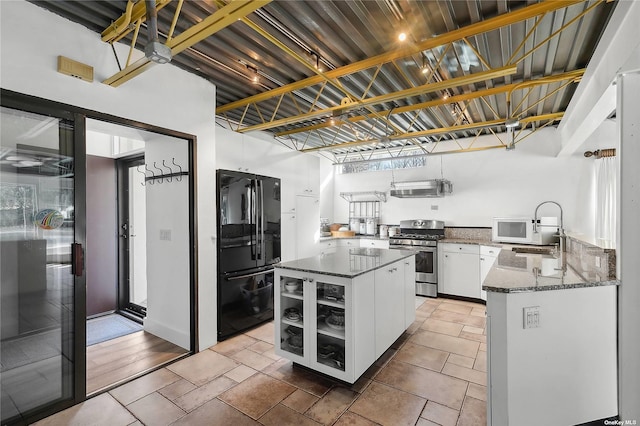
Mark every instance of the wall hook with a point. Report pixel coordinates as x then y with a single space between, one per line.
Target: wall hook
179 178
160 170
143 174
153 175
170 179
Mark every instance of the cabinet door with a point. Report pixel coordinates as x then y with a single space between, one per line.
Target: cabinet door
307 225
461 274
308 182
409 291
331 327
485 266
389 305
486 262
290 314
288 237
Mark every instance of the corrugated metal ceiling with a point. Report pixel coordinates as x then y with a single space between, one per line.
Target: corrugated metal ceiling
402 103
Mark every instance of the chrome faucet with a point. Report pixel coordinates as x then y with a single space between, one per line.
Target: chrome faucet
561 234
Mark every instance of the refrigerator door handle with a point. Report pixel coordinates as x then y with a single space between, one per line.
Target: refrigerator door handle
251 216
261 218
256 212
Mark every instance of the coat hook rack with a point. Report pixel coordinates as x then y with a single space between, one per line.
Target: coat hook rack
167 174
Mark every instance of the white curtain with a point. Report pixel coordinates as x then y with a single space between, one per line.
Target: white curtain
606 179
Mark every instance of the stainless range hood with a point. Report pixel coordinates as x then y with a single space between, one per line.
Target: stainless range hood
421 189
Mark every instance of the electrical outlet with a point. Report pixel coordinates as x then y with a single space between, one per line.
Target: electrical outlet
531 317
165 234
597 261
434 207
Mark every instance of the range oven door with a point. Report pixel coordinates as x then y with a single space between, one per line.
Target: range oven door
245 299
427 265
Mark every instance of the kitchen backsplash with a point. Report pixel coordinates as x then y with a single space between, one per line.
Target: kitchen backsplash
468 233
593 263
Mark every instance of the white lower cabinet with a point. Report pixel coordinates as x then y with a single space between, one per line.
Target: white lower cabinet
460 273
329 246
389 281
409 291
374 243
330 336
340 326
488 256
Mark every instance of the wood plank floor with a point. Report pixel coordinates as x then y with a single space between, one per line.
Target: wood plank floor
118 359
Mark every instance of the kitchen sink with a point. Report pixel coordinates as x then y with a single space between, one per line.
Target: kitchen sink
535 250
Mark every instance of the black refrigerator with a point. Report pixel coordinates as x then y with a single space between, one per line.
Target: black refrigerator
248 221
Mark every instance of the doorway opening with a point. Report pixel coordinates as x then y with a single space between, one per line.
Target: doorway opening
119 344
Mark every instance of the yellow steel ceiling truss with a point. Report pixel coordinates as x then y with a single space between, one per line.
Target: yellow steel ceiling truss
221 18
438 47
507 90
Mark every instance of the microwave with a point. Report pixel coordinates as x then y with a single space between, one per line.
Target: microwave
519 230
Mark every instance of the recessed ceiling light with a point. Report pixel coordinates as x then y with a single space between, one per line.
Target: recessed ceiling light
402 36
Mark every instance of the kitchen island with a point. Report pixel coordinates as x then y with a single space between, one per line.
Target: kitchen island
551 342
337 313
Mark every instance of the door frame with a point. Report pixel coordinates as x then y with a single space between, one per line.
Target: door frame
125 307
78 115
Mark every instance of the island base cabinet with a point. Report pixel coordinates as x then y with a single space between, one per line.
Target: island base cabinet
339 326
332 335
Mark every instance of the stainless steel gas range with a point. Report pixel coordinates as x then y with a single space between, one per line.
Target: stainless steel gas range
422 236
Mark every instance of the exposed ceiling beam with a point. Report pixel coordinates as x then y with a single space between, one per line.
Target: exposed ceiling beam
485 124
122 26
509 88
220 19
455 35
426 88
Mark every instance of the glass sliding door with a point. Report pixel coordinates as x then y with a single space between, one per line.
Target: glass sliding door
39 263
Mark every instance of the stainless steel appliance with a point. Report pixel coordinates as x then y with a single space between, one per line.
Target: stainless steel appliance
422 236
248 246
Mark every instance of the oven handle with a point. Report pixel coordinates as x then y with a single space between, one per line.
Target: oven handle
415 248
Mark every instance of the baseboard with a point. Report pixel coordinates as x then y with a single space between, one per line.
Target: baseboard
167 333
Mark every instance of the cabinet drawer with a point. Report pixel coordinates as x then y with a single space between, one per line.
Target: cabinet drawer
373 243
489 251
327 244
461 248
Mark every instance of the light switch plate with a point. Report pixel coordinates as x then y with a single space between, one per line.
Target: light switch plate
165 234
531 317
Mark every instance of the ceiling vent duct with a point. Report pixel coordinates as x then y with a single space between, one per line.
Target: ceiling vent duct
154 50
421 189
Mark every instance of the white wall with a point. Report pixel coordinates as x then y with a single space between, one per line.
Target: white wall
487 184
562 373
167 265
629 247
31 40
